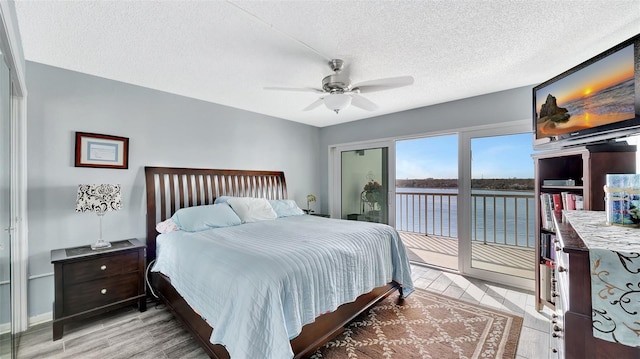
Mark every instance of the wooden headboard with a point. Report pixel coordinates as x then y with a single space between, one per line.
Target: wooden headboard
170 188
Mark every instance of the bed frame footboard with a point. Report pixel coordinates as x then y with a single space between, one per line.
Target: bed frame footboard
313 335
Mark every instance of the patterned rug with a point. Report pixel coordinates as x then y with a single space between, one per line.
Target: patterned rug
427 325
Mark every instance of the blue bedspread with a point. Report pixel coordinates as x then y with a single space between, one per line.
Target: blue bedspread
257 284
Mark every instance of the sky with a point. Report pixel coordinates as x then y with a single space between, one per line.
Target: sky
493 157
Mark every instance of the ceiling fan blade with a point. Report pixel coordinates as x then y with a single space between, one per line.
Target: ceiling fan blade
383 84
297 89
314 104
363 103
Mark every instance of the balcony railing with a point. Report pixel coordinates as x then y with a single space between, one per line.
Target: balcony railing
497 218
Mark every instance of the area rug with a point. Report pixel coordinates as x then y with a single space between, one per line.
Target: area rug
426 325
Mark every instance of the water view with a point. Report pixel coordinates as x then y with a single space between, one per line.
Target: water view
502 202
499 216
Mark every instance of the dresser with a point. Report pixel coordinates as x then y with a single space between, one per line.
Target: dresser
90 282
578 171
572 331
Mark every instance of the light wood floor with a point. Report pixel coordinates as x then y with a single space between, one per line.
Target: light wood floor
155 334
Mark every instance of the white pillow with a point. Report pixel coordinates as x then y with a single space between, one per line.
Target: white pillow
286 207
252 209
167 226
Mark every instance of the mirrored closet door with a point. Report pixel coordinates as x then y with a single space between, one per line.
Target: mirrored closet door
364 185
6 326
360 178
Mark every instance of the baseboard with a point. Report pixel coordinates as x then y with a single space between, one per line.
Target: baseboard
5 328
40 319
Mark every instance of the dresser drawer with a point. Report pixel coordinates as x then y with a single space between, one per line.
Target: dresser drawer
101 267
562 284
89 295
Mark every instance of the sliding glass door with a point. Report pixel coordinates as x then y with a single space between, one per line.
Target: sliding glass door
502 205
496 192
477 219
427 199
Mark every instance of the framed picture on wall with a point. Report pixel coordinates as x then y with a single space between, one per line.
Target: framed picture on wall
101 151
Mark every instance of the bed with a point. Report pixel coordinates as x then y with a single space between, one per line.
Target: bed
171 189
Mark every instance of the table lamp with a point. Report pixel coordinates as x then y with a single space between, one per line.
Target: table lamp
99 198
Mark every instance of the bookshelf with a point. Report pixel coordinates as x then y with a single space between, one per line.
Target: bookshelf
586 166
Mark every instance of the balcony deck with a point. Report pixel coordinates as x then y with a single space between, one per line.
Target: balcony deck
443 252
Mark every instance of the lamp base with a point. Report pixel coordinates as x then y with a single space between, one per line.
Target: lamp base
100 244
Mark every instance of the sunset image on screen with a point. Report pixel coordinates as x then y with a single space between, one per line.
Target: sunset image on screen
598 94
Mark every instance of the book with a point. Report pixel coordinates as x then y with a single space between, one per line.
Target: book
545 245
571 201
546 209
568 201
552 247
564 199
558 182
557 202
579 203
543 211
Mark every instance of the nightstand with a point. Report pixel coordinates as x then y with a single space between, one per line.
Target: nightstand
320 215
90 282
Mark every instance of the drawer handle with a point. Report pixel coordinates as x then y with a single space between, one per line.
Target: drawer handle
556 335
103 291
562 269
557 328
558 249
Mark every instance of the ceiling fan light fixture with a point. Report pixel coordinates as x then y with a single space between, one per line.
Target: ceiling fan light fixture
338 93
337 102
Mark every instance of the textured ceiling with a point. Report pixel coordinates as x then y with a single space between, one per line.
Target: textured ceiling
226 52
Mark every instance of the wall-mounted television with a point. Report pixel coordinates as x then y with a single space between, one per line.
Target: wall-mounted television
596 101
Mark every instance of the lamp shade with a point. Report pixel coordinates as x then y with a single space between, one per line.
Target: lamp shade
337 101
99 198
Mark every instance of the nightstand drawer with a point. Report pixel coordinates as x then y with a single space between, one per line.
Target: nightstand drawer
90 282
88 295
101 267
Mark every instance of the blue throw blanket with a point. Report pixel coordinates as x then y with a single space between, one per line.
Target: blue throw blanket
257 284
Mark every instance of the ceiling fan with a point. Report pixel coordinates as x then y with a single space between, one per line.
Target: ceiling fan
339 93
